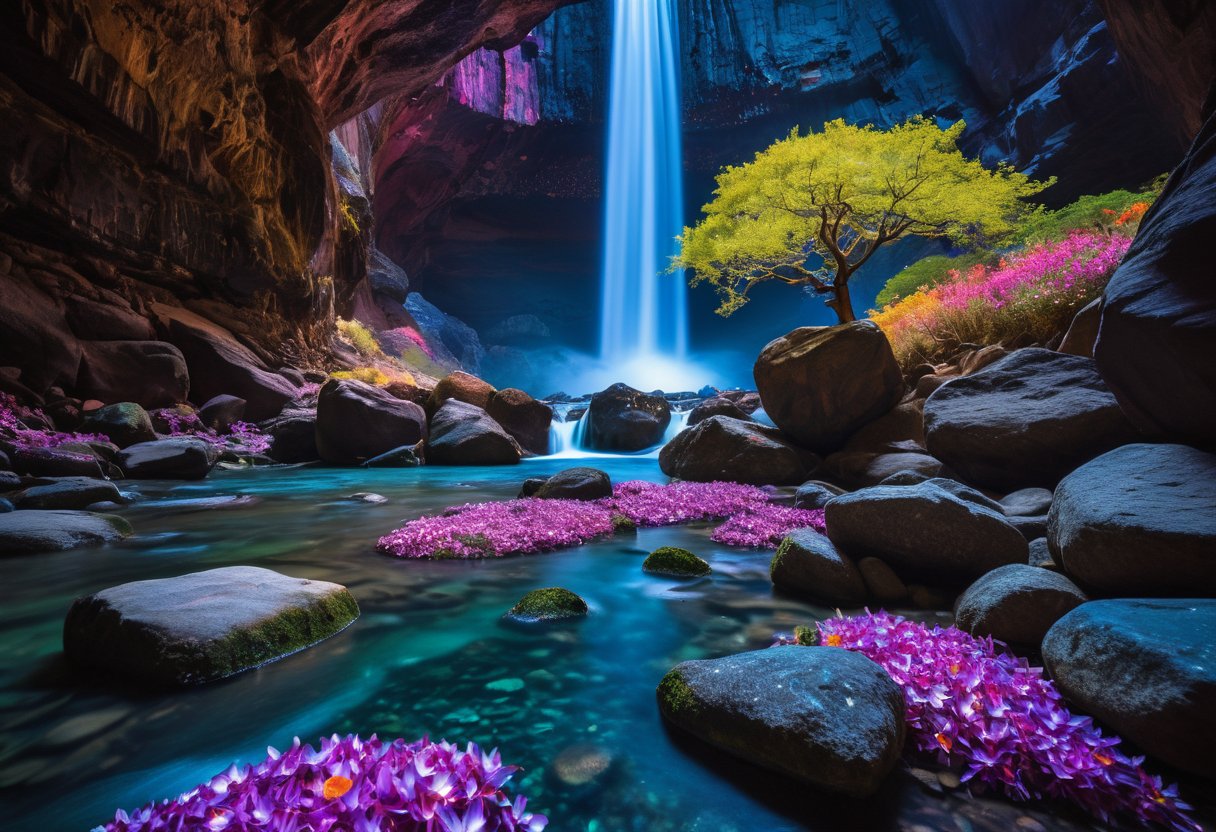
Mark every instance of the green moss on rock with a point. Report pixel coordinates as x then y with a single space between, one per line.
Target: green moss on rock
623 525
676 697
548 604
675 562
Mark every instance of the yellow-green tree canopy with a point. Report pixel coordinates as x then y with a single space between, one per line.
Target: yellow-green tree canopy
812 209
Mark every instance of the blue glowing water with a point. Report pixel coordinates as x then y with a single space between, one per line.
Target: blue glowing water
644 315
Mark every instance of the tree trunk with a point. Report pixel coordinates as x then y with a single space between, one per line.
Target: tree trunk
841 303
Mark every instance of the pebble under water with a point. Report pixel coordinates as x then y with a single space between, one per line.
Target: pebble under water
574 705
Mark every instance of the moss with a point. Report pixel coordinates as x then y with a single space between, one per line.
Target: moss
623 525
359 337
671 560
676 698
548 604
806 636
367 375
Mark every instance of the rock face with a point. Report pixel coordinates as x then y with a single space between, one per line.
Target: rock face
356 421
1146 668
464 434
825 716
1026 420
924 529
575 484
203 626
123 424
1016 604
150 373
808 564
522 416
178 458
623 419
822 384
1159 318
1140 520
722 448
32 531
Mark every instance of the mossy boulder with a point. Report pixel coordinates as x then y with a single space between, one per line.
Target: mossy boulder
203 626
675 562
548 604
125 423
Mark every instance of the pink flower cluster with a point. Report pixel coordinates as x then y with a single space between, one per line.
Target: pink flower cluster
15 430
401 337
479 530
349 784
1002 723
242 437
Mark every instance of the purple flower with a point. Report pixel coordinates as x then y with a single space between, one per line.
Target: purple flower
349 784
15 427
764 526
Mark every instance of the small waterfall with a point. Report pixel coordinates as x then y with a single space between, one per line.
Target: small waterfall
679 421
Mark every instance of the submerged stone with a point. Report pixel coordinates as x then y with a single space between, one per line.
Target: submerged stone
675 562
548 604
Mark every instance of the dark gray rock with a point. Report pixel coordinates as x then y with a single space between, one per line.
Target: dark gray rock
1016 604
859 469
293 435
1027 420
716 406
464 434
530 486
69 493
356 421
1026 502
881 581
28 532
815 494
125 423
9 481
624 419
825 716
203 626
55 462
1040 554
721 448
907 478
6 506
580 483
1139 521
449 337
924 530
1083 331
150 373
807 564
177 458
822 384
900 429
522 416
1147 669
220 412
1032 528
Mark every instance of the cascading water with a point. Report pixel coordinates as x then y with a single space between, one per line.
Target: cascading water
644 316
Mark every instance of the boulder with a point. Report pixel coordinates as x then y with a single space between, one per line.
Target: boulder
820 385
55 462
150 373
825 716
1026 502
579 483
530 486
522 416
674 562
1139 521
901 429
1016 604
548 604
356 421
123 424
1147 669
176 458
859 469
624 419
1032 528
1040 554
462 387
69 493
807 564
1083 331
293 435
1027 420
203 626
717 406
464 434
220 364
924 529
33 531
881 581
721 448
221 412
815 494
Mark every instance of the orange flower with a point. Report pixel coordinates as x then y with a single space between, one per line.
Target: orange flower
945 742
337 786
1102 758
834 640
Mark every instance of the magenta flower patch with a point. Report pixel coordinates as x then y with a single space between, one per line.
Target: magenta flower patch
242 437
349 784
766 525
990 715
15 422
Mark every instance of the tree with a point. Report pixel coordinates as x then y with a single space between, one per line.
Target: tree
811 210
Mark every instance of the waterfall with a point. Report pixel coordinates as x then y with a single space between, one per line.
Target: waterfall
643 315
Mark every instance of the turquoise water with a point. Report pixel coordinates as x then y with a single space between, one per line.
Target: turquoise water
429 655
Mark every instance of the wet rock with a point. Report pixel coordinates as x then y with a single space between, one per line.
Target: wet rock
721 448
356 421
522 416
367 497
1082 333
176 458
530 486
924 529
464 434
293 436
624 419
906 478
9 480
55 462
1040 554
220 412
1145 668
549 604
1016 604
1031 528
807 564
1026 502
1027 420
820 385
29 532
825 716
675 562
1139 521
900 429
150 373
463 387
881 581
581 483
125 423
407 456
69 493
203 626
859 469
815 494
716 406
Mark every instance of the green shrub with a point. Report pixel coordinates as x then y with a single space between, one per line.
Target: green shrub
359 337
929 272
1093 211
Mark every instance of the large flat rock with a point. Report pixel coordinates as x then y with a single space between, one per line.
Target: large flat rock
30 531
203 626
